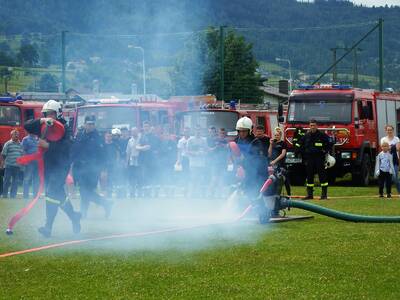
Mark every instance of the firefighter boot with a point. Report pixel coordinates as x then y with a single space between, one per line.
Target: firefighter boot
74 216
324 193
51 212
310 191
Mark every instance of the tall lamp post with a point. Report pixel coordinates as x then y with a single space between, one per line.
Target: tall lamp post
143 65
290 70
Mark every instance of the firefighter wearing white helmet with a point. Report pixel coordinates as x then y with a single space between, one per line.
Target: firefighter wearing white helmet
244 123
52 106
254 161
56 167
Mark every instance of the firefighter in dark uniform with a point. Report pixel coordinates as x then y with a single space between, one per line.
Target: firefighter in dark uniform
314 146
88 162
56 168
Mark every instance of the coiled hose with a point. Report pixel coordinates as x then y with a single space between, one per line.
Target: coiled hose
288 203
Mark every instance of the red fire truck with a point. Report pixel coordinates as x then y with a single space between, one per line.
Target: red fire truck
118 113
13 115
222 115
354 118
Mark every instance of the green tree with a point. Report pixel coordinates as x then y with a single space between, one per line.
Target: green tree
27 56
48 83
197 70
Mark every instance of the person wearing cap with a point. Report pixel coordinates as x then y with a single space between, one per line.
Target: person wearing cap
88 162
56 167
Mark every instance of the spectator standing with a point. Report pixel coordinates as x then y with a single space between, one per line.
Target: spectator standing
132 162
88 160
31 176
384 169
111 158
11 151
394 144
219 164
182 162
197 148
148 147
277 153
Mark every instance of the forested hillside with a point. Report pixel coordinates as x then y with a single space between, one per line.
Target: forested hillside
300 31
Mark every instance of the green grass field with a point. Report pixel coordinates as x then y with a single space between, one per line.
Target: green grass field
320 258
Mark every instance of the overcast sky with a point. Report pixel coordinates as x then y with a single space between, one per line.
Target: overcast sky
377 2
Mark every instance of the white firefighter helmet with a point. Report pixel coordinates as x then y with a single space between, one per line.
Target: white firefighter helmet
53 105
116 131
329 161
244 123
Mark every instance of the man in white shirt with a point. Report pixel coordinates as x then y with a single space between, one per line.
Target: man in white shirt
132 154
182 162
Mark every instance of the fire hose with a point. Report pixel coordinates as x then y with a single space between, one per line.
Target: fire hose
53 132
287 203
282 203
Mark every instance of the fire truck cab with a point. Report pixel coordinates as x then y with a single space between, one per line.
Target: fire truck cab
220 115
127 113
354 118
14 113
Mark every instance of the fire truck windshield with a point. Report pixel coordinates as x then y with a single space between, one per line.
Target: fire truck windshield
10 115
108 117
206 119
322 110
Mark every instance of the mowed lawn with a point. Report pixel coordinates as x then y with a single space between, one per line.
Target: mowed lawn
320 258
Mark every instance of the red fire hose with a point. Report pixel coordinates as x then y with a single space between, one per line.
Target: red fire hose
53 133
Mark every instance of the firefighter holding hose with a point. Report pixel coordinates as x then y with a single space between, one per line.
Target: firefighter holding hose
254 158
314 146
56 167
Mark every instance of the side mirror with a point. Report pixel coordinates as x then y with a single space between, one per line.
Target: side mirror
356 123
280 110
281 119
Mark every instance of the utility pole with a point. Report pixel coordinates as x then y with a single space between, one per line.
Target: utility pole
222 58
355 64
381 54
380 26
334 70
63 33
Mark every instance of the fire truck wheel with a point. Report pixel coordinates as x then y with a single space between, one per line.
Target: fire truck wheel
361 177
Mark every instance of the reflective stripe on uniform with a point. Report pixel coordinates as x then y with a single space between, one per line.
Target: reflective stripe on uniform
324 184
318 144
48 199
297 145
310 184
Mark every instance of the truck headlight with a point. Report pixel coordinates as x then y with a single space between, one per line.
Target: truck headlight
345 155
290 155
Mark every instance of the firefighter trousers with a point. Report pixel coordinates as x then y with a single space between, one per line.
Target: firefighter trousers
316 165
52 206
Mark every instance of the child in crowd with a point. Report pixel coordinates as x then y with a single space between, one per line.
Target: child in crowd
384 169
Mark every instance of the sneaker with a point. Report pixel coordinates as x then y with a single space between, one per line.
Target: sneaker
45 232
380 196
389 196
76 223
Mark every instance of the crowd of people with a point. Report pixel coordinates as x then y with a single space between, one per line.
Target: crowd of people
127 163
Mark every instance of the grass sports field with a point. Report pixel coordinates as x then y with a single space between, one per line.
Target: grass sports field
319 258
